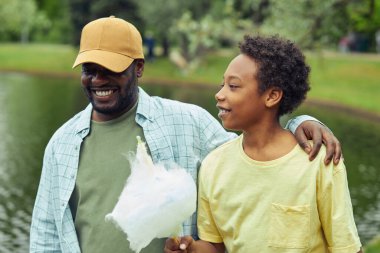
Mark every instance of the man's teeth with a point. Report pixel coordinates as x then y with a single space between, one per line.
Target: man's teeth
223 111
103 93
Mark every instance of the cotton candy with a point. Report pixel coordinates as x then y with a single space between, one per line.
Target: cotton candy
154 202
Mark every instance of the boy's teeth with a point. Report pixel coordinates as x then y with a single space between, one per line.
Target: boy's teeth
103 93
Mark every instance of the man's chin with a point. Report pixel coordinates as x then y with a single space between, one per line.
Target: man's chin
106 111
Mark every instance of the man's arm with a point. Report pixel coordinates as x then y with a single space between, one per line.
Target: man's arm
308 128
43 231
303 127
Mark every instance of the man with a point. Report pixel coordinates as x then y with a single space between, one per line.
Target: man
84 168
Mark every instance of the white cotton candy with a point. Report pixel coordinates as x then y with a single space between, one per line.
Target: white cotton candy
154 202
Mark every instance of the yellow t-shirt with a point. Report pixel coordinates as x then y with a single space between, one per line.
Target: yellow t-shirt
284 205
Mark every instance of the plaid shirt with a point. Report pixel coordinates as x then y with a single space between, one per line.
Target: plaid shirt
174 131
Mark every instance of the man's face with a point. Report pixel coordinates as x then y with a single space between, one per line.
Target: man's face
111 94
239 100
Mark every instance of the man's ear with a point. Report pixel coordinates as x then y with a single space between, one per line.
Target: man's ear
273 96
140 67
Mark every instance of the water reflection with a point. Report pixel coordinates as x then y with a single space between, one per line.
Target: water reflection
33 108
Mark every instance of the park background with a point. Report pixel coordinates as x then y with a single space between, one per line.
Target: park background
188 46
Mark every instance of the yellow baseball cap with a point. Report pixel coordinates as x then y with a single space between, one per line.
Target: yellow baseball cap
110 42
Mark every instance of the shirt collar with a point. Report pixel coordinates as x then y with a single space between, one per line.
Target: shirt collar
84 120
145 107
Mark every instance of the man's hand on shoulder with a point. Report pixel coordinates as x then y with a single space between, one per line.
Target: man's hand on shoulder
319 134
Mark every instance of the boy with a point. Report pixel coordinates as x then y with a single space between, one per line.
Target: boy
259 192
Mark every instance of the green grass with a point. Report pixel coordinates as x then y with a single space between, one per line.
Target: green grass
352 80
348 79
37 57
373 246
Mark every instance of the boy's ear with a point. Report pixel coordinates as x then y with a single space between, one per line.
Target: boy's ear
273 97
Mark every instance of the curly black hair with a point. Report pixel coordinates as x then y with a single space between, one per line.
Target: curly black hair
280 64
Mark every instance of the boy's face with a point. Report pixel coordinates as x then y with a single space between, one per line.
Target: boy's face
239 101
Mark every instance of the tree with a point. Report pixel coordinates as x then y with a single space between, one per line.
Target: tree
364 19
195 26
17 18
197 36
315 23
159 17
84 11
303 22
256 10
58 27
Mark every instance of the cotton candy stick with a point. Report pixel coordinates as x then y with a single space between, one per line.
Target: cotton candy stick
154 202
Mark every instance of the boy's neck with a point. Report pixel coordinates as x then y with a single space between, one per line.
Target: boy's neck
268 142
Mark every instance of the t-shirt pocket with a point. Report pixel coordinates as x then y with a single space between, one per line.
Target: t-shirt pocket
289 226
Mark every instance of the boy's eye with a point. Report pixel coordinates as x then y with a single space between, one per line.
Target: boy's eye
232 86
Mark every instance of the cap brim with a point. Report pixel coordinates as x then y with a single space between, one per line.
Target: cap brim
109 60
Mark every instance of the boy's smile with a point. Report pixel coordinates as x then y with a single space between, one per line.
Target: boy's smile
222 111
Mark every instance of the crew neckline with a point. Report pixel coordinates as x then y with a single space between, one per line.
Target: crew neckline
268 163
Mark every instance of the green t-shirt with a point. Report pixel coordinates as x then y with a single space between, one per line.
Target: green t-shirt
102 173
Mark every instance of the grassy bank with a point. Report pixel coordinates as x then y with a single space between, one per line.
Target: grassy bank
350 79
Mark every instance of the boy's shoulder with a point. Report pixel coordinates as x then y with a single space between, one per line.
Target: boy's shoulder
229 146
329 169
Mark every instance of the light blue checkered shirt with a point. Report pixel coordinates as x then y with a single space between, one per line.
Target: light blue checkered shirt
174 131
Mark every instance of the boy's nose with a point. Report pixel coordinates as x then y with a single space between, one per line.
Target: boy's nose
219 95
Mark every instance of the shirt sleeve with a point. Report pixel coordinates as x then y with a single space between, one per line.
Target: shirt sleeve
335 210
207 229
43 231
213 133
292 124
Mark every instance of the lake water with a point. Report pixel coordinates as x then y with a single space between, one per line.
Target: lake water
33 108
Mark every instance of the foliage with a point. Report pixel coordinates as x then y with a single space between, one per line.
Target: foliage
18 18
84 11
157 21
364 18
351 79
313 24
197 37
309 23
256 10
364 15
57 27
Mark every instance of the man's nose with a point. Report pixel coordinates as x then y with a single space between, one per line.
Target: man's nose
100 78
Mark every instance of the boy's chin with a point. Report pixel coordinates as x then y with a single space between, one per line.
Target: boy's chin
230 128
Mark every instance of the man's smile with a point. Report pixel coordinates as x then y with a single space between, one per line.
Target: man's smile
103 93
